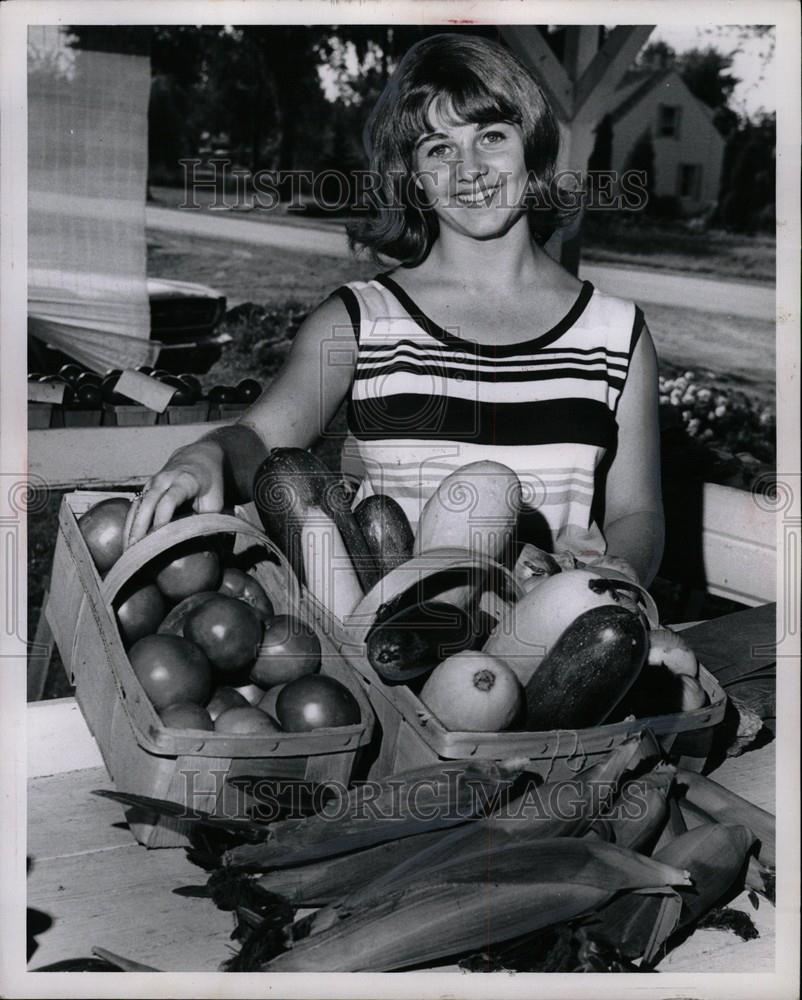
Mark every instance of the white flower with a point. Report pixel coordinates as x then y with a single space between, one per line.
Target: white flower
707 433
686 415
703 395
720 400
689 375
720 410
693 427
664 400
689 397
680 384
667 383
675 398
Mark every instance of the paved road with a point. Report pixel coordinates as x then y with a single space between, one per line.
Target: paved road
642 285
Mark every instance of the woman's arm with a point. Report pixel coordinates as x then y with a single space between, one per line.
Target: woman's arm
292 412
633 520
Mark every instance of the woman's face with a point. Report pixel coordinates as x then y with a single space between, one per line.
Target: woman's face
473 176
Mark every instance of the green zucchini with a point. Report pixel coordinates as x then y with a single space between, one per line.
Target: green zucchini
386 531
413 641
287 484
588 671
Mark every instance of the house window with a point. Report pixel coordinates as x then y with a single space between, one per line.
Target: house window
689 181
668 121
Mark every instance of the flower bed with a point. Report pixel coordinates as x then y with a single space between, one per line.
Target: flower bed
712 431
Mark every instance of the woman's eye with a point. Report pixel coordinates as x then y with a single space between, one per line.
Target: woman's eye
438 151
493 138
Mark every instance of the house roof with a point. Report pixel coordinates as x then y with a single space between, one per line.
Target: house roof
635 85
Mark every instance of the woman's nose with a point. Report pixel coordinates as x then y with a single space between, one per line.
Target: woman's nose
470 166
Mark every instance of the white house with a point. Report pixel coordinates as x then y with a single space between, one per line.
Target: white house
688 148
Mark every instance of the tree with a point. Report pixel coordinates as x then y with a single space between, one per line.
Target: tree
704 72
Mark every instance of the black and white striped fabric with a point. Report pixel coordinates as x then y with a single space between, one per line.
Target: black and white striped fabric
425 401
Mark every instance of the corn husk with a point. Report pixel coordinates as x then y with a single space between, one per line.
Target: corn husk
640 925
319 883
758 878
444 795
555 809
640 811
471 902
728 807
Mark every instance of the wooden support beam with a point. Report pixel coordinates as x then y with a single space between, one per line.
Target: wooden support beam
594 89
533 50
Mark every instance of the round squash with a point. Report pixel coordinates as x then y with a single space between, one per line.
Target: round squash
473 692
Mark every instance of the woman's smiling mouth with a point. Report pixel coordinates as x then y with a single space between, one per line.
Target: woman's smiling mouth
481 197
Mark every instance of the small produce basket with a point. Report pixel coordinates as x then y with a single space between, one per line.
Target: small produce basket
39 416
412 736
142 755
128 415
192 413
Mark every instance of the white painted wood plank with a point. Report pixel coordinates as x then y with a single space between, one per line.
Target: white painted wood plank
739 546
58 739
105 456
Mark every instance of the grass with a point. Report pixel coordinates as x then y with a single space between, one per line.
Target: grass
738 351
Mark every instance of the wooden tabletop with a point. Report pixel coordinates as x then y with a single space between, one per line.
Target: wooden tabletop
100 887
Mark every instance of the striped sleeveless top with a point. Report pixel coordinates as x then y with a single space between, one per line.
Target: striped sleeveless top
424 402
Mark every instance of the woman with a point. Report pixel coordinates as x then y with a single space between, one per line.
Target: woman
524 365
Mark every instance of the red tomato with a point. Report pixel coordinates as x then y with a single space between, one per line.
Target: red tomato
187 569
289 649
227 630
140 611
171 669
173 622
315 702
102 527
186 715
241 585
245 720
225 698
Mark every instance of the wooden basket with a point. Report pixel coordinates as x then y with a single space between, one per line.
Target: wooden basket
413 736
141 755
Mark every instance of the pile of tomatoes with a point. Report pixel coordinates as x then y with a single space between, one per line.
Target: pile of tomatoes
206 644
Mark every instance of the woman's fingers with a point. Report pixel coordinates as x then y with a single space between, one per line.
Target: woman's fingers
158 502
172 498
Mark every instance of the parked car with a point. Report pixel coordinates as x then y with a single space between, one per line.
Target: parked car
184 318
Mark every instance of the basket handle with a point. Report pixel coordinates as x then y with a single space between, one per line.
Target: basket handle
183 530
414 570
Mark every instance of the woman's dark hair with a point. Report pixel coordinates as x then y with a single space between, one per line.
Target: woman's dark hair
480 82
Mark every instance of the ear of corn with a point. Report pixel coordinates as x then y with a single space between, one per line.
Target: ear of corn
641 826
472 902
320 883
413 802
639 925
727 807
759 877
673 827
640 811
554 809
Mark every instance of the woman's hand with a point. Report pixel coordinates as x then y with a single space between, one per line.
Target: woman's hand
194 472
